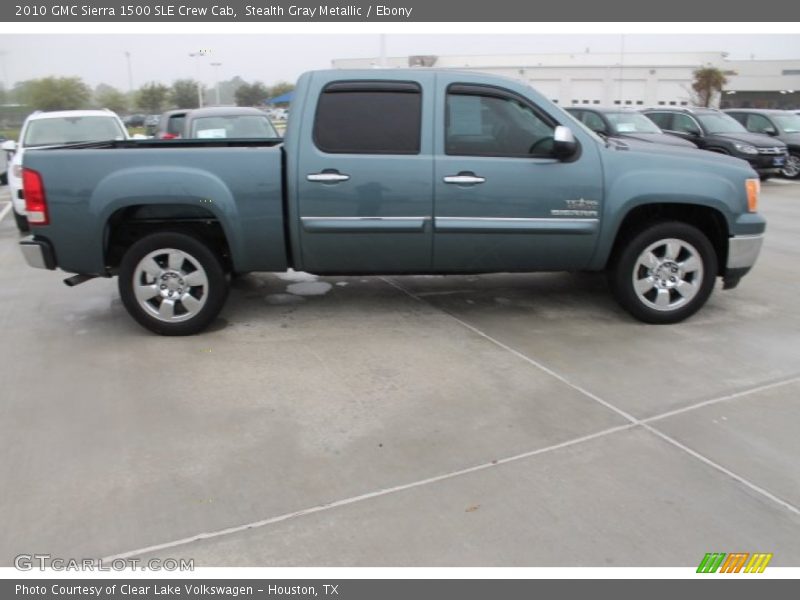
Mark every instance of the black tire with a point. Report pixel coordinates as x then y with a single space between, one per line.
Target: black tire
199 257
21 221
626 267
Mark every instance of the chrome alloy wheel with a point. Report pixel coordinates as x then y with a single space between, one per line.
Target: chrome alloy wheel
170 285
668 274
792 167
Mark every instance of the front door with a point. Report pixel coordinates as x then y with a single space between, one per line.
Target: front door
503 202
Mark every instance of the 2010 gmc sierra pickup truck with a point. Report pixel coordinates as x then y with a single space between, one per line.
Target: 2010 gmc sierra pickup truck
390 172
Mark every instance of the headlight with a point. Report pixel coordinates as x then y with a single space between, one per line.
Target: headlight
746 148
753 187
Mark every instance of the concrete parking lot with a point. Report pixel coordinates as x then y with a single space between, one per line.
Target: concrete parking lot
508 420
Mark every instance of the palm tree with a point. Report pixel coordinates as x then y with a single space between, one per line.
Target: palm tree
708 81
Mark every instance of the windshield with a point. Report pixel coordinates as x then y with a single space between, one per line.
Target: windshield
630 122
788 122
233 126
69 130
717 123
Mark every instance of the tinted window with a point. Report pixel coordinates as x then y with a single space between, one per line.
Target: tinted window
479 125
685 124
720 123
594 122
359 120
175 124
758 124
660 118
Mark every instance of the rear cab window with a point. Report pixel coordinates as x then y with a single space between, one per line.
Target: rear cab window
369 117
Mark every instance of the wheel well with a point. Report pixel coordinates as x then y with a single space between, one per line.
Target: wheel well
130 224
708 220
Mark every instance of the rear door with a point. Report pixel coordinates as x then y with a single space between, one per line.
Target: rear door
365 190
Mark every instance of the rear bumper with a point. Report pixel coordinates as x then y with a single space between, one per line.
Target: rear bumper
38 253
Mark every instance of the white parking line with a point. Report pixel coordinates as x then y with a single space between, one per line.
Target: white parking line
632 423
354 499
633 420
5 210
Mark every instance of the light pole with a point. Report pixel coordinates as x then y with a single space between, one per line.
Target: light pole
199 84
216 79
130 72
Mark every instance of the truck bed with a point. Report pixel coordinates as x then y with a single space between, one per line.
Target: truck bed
237 183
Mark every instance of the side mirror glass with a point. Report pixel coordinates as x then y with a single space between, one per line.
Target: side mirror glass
9 146
564 143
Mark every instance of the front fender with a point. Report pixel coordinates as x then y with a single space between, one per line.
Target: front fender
659 185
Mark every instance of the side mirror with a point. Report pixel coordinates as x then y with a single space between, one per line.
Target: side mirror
9 146
564 144
771 131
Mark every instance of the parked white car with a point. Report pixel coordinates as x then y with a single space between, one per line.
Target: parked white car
42 129
3 165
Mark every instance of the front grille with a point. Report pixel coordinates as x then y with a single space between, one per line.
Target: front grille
775 150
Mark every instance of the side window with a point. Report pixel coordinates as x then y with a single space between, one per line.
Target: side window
759 124
489 125
741 117
594 122
369 118
662 119
685 124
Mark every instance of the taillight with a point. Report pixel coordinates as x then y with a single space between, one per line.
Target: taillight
169 136
35 199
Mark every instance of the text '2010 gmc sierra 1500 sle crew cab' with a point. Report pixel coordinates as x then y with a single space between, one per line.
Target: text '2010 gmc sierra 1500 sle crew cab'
394 172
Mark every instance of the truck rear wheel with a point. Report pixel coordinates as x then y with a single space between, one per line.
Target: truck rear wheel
172 283
665 273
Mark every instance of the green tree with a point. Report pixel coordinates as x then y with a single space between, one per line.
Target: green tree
707 83
184 93
106 96
152 97
53 93
251 94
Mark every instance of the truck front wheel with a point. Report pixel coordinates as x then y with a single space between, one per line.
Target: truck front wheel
665 273
172 283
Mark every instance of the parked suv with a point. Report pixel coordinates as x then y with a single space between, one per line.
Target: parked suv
43 129
625 124
780 124
713 130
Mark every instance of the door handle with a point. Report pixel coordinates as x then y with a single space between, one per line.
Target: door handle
464 178
327 177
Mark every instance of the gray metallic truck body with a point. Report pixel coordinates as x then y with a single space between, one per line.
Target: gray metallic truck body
393 214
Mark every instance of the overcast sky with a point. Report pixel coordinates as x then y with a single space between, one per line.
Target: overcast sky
271 58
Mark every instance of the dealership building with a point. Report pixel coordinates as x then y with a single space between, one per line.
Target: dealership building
629 79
